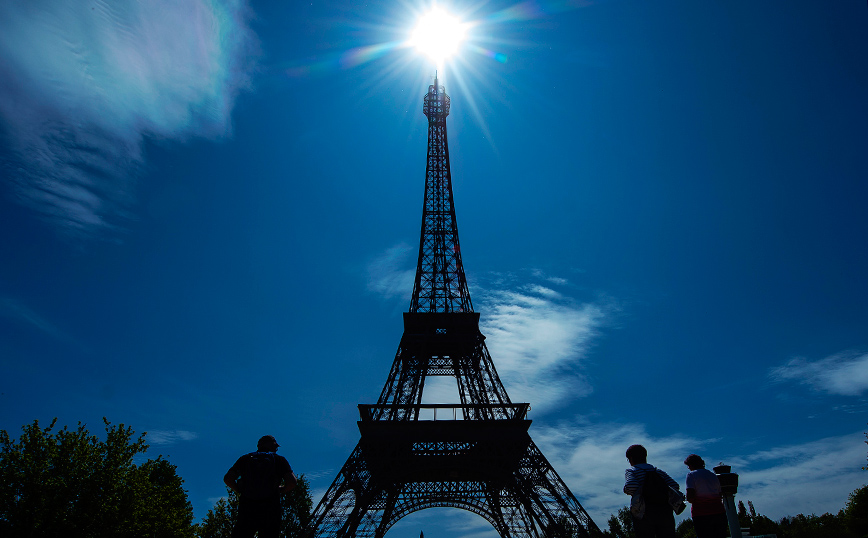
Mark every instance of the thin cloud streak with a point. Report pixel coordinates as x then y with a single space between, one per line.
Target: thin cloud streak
845 373
810 478
814 477
13 310
84 84
170 437
388 275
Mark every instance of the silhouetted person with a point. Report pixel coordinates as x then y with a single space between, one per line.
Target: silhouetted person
652 515
256 478
706 504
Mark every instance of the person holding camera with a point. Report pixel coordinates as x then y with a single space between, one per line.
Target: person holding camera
706 504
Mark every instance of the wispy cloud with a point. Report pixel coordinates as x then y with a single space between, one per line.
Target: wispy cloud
845 373
84 83
14 310
390 274
539 337
814 477
810 478
324 473
170 437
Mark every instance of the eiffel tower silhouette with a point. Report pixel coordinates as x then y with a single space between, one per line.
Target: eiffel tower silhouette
475 455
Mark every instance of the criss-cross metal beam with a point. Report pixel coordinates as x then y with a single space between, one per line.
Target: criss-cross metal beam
440 285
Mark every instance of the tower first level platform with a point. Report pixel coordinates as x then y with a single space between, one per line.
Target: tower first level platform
442 448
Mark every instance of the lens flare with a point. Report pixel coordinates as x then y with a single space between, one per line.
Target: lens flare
438 35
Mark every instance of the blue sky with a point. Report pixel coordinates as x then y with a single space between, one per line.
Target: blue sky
212 213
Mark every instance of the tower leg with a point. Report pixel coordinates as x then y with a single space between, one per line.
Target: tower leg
530 501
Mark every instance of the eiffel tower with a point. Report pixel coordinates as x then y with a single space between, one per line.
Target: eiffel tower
475 455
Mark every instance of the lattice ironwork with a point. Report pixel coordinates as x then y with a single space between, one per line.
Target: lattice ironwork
441 344
440 285
478 455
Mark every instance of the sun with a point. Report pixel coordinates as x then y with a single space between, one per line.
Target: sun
438 35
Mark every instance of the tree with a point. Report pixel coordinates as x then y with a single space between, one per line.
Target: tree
761 524
743 518
802 526
752 510
70 483
218 522
855 513
685 529
297 507
621 524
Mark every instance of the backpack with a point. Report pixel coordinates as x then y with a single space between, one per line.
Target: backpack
655 490
259 478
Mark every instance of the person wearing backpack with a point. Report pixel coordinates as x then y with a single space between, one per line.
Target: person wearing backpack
649 488
706 504
256 478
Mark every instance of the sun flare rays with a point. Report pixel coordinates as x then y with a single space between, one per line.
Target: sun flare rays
416 41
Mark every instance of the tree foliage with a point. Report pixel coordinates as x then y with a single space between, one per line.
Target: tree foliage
297 507
685 529
220 520
850 522
621 524
855 513
71 483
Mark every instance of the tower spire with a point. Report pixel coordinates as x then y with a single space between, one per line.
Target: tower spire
440 284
